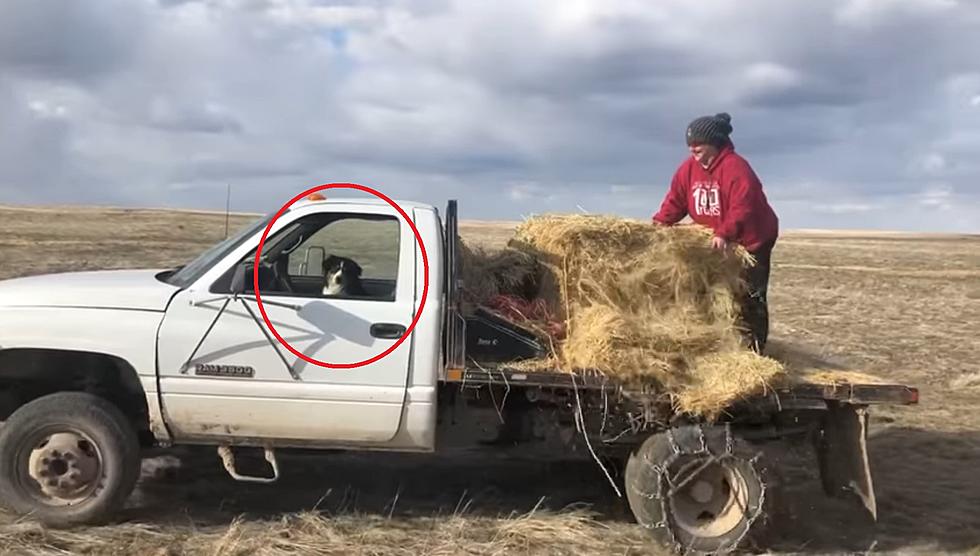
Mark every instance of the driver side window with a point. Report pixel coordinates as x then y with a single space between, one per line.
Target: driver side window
352 256
349 257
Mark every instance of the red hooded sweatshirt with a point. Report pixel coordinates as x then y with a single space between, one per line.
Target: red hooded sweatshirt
726 197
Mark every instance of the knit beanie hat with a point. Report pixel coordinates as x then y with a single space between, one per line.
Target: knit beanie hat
711 130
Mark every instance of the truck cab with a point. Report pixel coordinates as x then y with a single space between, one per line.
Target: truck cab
223 379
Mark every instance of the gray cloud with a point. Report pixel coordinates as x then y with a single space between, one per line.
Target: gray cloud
853 112
206 118
63 39
28 139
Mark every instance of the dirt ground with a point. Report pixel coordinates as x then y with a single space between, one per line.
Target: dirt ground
902 306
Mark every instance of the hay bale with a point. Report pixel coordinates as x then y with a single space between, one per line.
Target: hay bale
653 306
615 261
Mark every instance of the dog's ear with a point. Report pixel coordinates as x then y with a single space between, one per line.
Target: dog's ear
357 268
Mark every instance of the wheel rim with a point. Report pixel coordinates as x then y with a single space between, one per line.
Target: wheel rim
710 499
64 468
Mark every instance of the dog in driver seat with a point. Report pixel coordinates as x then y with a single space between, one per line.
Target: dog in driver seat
342 277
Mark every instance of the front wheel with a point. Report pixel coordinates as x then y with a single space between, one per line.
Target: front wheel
699 490
67 458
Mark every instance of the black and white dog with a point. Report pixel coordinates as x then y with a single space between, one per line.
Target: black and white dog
342 276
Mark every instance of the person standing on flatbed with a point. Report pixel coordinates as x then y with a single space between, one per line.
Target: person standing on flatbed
719 190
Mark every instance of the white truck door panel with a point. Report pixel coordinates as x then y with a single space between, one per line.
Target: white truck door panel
321 405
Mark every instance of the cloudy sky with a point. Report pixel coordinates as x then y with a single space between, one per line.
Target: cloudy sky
855 113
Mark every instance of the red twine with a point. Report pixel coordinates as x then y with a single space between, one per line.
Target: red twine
520 310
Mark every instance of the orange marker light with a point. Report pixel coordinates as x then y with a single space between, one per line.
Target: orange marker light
316 197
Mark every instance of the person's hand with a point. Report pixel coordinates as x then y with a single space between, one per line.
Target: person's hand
719 243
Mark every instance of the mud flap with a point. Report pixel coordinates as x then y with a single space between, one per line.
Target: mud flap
842 452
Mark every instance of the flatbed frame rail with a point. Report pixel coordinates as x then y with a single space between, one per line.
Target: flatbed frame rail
850 393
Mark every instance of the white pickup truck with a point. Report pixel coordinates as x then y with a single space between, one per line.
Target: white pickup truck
96 367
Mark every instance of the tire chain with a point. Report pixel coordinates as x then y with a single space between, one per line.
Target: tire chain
663 476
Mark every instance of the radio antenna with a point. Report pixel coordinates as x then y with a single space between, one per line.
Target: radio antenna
227 209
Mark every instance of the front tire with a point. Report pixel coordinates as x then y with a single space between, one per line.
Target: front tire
699 490
68 458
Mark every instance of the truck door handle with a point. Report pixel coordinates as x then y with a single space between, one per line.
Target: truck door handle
387 330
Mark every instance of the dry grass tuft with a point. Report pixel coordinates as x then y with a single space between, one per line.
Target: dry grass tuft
490 273
314 533
726 376
836 376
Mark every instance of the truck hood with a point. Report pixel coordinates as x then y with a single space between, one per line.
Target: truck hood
105 289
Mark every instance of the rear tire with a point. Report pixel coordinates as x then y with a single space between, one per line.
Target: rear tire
699 490
67 458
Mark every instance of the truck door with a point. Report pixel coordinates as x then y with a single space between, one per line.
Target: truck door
240 384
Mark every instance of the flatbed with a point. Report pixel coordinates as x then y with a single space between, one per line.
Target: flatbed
846 392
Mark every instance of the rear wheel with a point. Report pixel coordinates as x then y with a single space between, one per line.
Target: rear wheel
67 458
697 489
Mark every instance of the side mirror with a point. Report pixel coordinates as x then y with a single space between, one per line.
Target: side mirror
239 280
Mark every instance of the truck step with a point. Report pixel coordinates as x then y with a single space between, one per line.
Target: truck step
228 458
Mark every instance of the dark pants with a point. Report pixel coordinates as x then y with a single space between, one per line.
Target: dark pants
755 308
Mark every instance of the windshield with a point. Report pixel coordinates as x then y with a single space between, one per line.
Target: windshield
193 270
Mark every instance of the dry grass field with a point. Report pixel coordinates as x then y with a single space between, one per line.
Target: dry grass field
903 306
